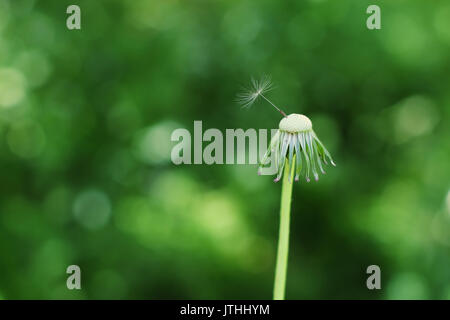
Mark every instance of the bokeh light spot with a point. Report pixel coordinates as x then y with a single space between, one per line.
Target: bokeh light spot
242 23
92 209
153 145
12 87
26 139
35 67
415 116
406 39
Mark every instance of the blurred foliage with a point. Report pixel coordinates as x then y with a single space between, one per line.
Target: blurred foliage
86 177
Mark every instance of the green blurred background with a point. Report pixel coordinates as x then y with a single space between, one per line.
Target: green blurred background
85 171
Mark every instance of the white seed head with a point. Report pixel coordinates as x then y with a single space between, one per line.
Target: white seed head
295 123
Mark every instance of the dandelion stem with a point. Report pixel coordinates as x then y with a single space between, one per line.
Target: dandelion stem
279 110
283 240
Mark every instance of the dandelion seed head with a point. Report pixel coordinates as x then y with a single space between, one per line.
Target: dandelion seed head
297 144
295 123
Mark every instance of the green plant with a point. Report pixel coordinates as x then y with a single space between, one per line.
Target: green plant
295 148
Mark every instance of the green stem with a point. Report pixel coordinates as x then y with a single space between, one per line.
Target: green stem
283 240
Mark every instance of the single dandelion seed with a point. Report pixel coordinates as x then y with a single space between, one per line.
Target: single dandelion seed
296 150
257 89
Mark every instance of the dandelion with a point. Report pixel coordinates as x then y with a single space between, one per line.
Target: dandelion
296 141
295 149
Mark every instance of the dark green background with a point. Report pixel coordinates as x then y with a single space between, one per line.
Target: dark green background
85 170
